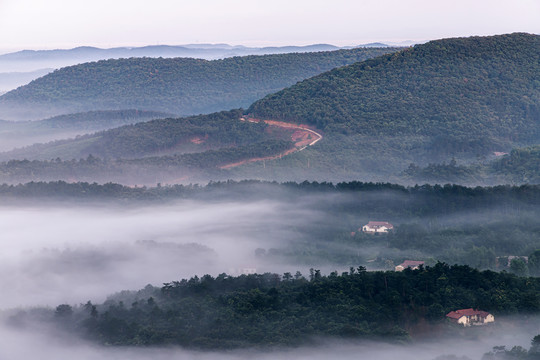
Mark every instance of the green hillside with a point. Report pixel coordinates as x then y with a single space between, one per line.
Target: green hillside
462 98
486 85
471 93
82 122
180 85
269 310
155 137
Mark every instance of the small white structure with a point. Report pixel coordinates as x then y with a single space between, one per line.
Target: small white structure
470 317
374 227
412 264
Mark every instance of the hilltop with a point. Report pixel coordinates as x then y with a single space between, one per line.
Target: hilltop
31 60
483 84
182 86
462 98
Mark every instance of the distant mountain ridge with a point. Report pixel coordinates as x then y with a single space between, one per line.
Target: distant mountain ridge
21 67
182 86
31 60
176 51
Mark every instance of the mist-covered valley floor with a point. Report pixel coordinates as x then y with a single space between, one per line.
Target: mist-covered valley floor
70 252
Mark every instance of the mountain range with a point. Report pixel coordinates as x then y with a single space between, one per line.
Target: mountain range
182 86
452 101
19 68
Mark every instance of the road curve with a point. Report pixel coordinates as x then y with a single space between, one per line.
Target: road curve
298 146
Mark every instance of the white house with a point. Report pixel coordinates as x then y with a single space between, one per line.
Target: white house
377 227
412 264
470 317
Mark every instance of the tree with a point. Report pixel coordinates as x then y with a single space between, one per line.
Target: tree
519 267
534 263
63 311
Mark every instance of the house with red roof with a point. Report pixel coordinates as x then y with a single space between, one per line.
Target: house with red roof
375 227
411 264
470 317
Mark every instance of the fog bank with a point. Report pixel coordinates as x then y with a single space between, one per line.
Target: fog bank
74 254
48 345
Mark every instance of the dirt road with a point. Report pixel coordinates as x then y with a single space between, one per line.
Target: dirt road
303 137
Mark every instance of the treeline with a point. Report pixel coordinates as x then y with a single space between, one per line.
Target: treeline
517 167
143 170
484 227
476 93
435 199
181 86
290 309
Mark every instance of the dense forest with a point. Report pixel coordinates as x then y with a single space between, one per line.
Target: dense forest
181 86
292 309
460 97
444 87
220 139
515 353
148 170
92 120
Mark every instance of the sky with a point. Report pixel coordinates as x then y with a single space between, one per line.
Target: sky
51 24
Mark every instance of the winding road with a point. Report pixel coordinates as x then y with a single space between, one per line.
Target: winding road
302 138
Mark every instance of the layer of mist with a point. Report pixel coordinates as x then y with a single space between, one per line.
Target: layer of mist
48 344
69 253
74 254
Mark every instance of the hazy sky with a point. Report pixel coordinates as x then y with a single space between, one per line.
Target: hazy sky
40 24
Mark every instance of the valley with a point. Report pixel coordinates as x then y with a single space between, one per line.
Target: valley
278 202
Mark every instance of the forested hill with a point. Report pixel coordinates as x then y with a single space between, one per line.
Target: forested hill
179 85
485 88
159 136
273 310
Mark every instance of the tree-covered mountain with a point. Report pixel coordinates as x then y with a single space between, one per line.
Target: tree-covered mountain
477 87
30 60
462 98
177 85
